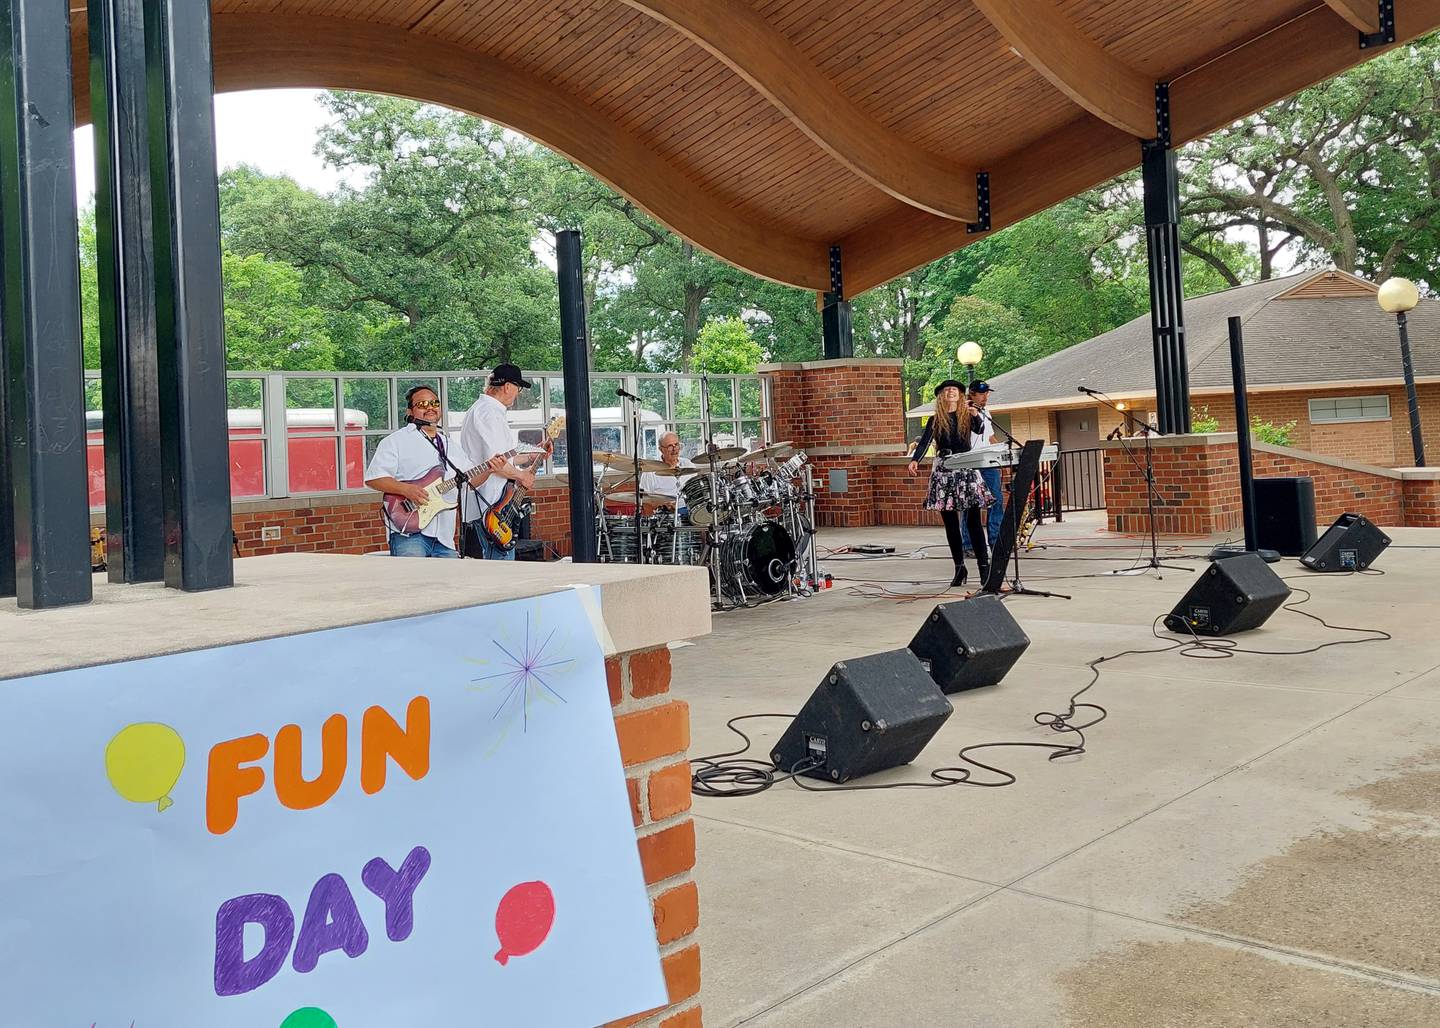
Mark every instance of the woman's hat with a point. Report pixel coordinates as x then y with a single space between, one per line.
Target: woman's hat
947 384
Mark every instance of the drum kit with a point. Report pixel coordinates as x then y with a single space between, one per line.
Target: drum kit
748 515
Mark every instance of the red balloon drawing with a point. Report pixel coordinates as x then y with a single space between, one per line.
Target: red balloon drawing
523 920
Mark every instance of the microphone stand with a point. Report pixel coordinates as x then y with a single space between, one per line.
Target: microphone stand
1012 516
635 456
1151 491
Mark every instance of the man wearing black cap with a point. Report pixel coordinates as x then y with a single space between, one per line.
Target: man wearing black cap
485 433
982 433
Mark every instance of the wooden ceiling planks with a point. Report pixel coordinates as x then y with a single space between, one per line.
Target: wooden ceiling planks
720 157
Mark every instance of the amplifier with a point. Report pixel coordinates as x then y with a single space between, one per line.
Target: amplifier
1234 594
1351 544
1285 515
866 715
969 644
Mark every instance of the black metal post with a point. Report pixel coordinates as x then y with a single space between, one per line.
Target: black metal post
189 313
1161 183
839 338
1417 439
575 360
44 372
1242 434
134 512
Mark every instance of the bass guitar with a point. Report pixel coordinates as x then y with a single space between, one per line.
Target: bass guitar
409 517
502 518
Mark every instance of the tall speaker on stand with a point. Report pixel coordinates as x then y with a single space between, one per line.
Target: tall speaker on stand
1247 468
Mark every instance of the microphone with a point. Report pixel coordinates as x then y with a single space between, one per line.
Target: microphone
1087 390
628 396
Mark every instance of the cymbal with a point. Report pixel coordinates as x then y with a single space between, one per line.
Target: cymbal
721 455
624 462
773 450
610 475
637 495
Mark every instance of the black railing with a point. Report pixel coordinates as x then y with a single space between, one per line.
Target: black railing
1078 480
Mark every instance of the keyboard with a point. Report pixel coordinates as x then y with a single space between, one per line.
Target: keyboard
995 456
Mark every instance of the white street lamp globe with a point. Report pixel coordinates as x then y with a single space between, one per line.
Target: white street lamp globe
970 354
1398 295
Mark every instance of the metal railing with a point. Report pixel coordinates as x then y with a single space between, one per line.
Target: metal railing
1078 480
294 433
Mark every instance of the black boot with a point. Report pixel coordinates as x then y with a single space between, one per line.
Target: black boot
960 575
984 572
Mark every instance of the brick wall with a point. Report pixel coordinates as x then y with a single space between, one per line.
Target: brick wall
1198 479
654 734
329 526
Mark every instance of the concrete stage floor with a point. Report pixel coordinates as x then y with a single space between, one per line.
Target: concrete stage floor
1248 841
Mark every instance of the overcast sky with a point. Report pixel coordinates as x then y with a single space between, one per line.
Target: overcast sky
273 129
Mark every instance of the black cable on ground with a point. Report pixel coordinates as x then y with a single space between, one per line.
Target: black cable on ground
732 774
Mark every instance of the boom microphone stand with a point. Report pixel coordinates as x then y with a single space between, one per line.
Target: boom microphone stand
1149 471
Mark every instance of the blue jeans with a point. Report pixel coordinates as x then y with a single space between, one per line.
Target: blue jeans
418 545
996 515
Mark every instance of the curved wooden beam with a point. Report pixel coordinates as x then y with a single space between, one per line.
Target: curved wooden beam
266 51
1363 14
738 36
1306 50
1075 64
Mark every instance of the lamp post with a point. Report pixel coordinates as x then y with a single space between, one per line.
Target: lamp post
1398 296
969 354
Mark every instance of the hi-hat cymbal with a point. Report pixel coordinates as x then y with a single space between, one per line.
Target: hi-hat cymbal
624 462
637 495
775 450
605 476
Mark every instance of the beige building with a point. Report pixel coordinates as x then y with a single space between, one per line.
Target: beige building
1319 352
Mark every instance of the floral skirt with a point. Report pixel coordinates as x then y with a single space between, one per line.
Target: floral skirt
956 490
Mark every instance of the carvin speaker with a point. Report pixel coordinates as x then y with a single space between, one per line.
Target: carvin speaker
1232 595
969 644
867 714
1285 515
1351 544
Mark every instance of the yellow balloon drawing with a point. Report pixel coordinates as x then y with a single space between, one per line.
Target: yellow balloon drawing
144 762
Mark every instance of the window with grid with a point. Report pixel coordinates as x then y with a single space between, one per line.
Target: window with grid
1329 409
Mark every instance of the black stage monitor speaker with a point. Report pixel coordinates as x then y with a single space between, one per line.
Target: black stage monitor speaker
1351 544
867 714
1285 515
969 644
1232 595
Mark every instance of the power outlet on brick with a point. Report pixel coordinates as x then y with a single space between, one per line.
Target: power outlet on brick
270 534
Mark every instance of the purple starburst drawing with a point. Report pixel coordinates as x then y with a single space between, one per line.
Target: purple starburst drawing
527 671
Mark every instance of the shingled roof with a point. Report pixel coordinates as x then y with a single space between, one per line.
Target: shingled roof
1311 327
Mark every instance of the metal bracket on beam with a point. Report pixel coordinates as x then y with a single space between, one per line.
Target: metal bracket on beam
982 204
1386 35
837 280
1162 114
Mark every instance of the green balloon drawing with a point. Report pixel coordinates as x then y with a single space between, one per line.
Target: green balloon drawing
309 1017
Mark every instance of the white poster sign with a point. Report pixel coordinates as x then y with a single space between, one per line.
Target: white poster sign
416 822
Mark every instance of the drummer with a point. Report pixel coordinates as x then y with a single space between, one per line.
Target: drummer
667 485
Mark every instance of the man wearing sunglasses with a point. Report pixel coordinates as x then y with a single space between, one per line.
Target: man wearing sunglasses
411 453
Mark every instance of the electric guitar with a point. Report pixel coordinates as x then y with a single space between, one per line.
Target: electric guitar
409 517
501 518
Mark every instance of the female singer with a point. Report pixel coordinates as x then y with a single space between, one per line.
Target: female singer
955 493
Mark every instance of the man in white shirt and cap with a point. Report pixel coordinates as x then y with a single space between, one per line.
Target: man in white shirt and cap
412 453
485 434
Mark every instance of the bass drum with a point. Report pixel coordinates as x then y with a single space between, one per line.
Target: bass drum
762 556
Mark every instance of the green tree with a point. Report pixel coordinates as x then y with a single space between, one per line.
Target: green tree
725 347
268 325
1002 333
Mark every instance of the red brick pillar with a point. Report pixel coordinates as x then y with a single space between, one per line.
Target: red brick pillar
654 734
843 413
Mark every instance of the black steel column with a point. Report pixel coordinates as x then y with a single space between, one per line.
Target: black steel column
1242 433
44 409
1417 437
134 512
1161 182
185 203
575 360
835 314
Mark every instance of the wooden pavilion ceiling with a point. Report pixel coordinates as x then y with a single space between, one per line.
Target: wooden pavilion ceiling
767 130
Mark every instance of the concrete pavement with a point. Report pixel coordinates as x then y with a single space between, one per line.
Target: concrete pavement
1248 840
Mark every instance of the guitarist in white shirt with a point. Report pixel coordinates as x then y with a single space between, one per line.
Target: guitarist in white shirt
411 453
485 434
